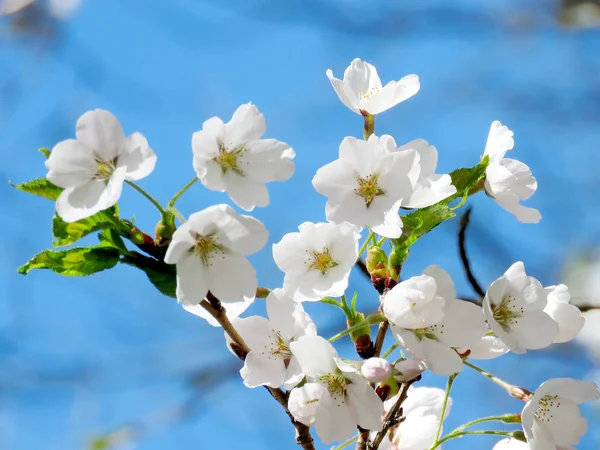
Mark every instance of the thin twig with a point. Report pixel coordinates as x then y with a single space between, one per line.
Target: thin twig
215 309
363 439
464 223
394 415
383 327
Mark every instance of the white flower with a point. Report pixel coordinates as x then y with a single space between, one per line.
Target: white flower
232 310
408 369
210 251
367 183
551 419
93 167
488 347
460 326
414 303
511 444
376 370
568 317
507 180
514 309
430 187
336 397
422 410
231 157
362 92
317 260
270 361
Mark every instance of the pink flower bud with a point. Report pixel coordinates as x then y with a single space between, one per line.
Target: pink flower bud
407 369
376 370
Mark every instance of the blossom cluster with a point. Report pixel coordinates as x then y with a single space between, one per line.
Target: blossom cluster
370 183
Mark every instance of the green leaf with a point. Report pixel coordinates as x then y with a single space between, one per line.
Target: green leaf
112 238
466 179
45 152
68 233
74 262
41 187
163 276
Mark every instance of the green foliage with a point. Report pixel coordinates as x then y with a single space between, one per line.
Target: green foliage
422 221
75 262
112 238
45 152
160 274
41 187
68 233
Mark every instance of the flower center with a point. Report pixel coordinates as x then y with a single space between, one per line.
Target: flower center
279 347
507 313
546 406
368 188
365 95
229 159
206 247
321 261
429 332
336 384
104 169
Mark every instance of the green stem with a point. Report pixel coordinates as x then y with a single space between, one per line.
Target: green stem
331 301
390 350
366 243
148 196
498 381
370 320
505 418
381 241
451 379
347 443
181 192
466 433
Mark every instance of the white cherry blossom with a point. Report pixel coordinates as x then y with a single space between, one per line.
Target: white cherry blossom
422 410
366 184
460 326
210 251
507 180
430 187
232 310
336 397
551 419
361 89
511 444
487 347
408 369
514 309
270 361
317 260
568 317
232 157
376 369
93 167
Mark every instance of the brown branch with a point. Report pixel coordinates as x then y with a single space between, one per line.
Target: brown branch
241 349
464 223
383 327
363 439
394 415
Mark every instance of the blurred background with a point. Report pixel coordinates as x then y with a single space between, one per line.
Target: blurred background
107 362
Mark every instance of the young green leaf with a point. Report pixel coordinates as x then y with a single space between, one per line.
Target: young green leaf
41 187
68 233
74 262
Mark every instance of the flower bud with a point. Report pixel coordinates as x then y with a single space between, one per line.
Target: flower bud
387 389
408 369
376 369
519 436
394 265
376 260
163 232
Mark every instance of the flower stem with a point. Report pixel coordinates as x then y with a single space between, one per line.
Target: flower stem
181 192
390 350
148 196
466 433
366 243
451 379
508 387
370 320
508 418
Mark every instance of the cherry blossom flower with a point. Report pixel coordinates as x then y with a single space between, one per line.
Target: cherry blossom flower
408 369
514 309
270 361
231 157
511 444
507 180
488 347
551 419
366 184
210 251
93 167
336 398
232 310
568 317
361 89
422 410
430 187
460 326
376 370
317 260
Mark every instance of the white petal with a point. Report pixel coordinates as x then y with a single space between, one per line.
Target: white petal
294 374
423 401
336 424
462 325
345 94
247 193
231 278
181 244
367 405
499 141
288 315
488 347
362 78
536 330
192 283
568 317
416 432
440 358
511 444
268 160
576 390
246 124
259 370
430 191
71 164
392 224
137 156
413 303
444 284
315 355
101 131
409 369
517 270
243 234
393 93
307 402
232 310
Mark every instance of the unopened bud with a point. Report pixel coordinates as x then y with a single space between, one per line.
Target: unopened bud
387 389
163 232
262 292
376 369
364 346
408 369
520 393
394 265
519 436
138 237
512 418
376 261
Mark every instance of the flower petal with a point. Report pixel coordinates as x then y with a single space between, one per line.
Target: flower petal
137 156
70 164
192 283
231 278
100 131
246 124
315 355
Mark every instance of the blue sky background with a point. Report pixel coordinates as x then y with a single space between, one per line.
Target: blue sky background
80 358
